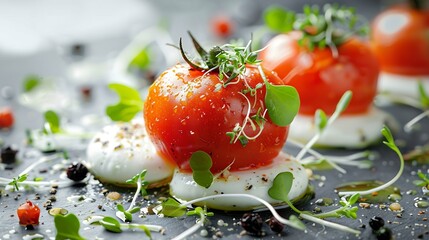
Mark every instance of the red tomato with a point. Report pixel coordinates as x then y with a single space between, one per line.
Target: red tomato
400 39
6 117
319 77
184 114
222 26
28 214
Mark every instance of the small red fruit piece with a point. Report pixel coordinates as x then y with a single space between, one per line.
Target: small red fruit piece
6 117
28 214
222 26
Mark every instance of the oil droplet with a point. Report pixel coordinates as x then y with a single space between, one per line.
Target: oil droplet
381 196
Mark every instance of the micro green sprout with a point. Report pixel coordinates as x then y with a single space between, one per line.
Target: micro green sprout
127 215
391 144
324 123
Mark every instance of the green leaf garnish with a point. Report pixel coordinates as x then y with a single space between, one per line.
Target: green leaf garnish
424 180
282 103
141 61
201 163
16 180
281 187
172 208
67 227
282 184
31 82
52 122
278 19
111 224
130 103
320 119
424 97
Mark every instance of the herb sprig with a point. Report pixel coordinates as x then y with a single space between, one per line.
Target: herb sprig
423 181
328 27
390 142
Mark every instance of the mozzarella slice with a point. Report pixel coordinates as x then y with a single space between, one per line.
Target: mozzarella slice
255 182
122 150
349 131
401 84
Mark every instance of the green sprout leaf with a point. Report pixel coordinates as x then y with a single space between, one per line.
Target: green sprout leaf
424 180
320 119
141 61
201 163
52 120
281 186
424 98
111 224
31 82
344 102
172 208
278 19
130 103
16 180
67 227
282 103
298 223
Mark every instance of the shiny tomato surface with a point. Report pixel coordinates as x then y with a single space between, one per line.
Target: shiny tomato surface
184 114
320 78
28 214
400 39
6 118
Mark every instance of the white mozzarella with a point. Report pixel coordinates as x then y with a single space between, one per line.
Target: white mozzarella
349 131
122 150
401 84
255 182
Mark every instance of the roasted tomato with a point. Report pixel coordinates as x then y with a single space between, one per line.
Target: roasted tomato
400 39
28 214
184 113
320 72
6 118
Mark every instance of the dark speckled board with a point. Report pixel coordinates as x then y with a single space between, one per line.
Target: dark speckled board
412 223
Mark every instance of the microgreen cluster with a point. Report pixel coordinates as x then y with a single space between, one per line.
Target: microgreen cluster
320 28
230 61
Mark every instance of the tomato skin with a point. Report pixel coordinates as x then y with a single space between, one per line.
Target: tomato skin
183 114
6 118
322 79
400 39
28 214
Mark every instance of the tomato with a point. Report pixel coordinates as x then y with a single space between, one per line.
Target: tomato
222 26
319 77
6 117
400 39
28 214
184 114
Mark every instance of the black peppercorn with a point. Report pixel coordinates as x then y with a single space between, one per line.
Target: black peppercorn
275 225
376 223
8 155
252 223
77 172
